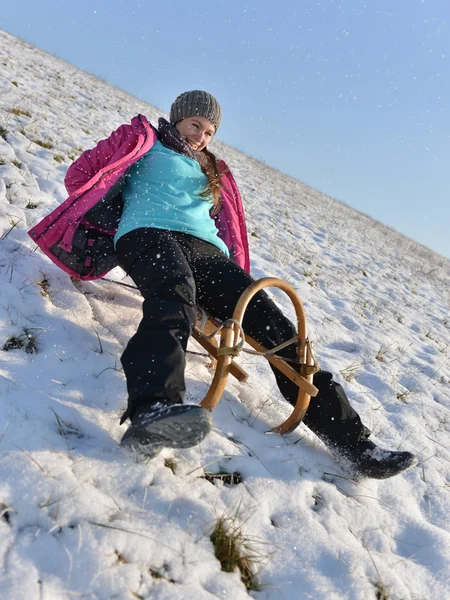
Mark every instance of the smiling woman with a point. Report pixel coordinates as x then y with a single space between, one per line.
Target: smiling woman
182 238
198 130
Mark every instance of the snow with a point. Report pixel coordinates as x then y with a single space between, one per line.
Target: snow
80 517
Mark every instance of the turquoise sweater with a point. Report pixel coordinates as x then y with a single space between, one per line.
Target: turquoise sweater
163 191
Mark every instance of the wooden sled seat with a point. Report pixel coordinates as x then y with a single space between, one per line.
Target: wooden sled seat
231 343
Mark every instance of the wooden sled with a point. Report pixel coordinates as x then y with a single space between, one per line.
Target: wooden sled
231 343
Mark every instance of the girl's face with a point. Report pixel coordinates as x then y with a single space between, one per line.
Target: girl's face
197 131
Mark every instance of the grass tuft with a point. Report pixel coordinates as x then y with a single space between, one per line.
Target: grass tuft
18 112
349 372
381 590
43 143
158 575
44 283
380 356
231 548
5 512
25 341
171 464
402 396
65 428
234 478
3 132
120 558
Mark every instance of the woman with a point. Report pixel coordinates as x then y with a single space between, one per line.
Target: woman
182 239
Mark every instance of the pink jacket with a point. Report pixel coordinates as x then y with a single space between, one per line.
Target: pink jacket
78 234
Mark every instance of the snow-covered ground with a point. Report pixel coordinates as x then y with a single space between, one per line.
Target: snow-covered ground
81 518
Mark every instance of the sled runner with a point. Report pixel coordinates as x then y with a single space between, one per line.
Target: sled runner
232 338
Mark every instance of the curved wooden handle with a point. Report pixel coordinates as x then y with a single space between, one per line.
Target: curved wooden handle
230 337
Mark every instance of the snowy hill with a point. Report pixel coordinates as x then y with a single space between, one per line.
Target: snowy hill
81 518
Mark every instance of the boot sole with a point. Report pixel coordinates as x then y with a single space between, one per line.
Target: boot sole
186 427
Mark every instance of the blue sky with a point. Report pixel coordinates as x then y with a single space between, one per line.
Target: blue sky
350 96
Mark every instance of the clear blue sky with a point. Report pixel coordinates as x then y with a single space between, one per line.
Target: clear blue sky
349 96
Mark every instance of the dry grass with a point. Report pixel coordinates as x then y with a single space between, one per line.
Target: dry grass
233 550
43 143
18 112
25 341
349 372
44 283
171 464
382 591
233 478
380 355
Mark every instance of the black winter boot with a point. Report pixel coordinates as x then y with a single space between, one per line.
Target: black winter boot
331 417
366 459
167 426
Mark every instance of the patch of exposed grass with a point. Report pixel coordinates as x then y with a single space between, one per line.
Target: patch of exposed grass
16 163
380 355
227 478
5 512
231 548
402 396
18 112
43 143
15 83
3 132
381 590
31 205
171 464
121 560
318 501
158 575
44 284
59 158
349 372
26 341
65 428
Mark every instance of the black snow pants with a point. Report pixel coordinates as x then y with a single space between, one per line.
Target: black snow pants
176 272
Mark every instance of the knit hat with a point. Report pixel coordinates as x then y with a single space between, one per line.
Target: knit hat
196 104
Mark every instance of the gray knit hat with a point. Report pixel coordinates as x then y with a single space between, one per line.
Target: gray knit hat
196 104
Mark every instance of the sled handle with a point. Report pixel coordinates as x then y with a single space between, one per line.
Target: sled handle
230 339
